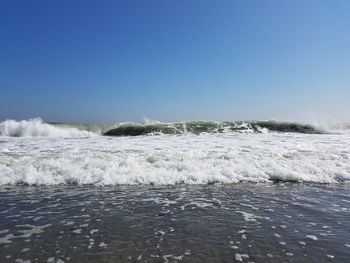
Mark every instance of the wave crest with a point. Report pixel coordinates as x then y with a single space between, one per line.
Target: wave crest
37 128
198 127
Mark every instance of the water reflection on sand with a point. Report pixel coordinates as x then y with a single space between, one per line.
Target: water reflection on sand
187 223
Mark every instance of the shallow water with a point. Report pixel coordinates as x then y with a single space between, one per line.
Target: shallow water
283 222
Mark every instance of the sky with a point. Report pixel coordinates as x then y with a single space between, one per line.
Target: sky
106 61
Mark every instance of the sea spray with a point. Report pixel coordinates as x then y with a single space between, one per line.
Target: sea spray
37 128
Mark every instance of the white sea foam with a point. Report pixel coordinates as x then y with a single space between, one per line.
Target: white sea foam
241 257
37 128
173 159
312 237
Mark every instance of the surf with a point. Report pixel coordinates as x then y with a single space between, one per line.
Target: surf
199 127
37 128
207 158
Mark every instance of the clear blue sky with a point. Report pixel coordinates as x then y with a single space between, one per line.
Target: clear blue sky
106 61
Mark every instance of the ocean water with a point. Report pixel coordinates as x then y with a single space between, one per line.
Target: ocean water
170 192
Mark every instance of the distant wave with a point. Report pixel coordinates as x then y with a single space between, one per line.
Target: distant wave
38 128
198 127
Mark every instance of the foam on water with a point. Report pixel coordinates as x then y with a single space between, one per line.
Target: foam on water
174 159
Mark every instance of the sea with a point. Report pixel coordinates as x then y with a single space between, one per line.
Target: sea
192 191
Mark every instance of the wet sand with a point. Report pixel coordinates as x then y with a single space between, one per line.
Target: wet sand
282 222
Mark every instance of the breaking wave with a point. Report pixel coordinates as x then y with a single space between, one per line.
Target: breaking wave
198 127
37 128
